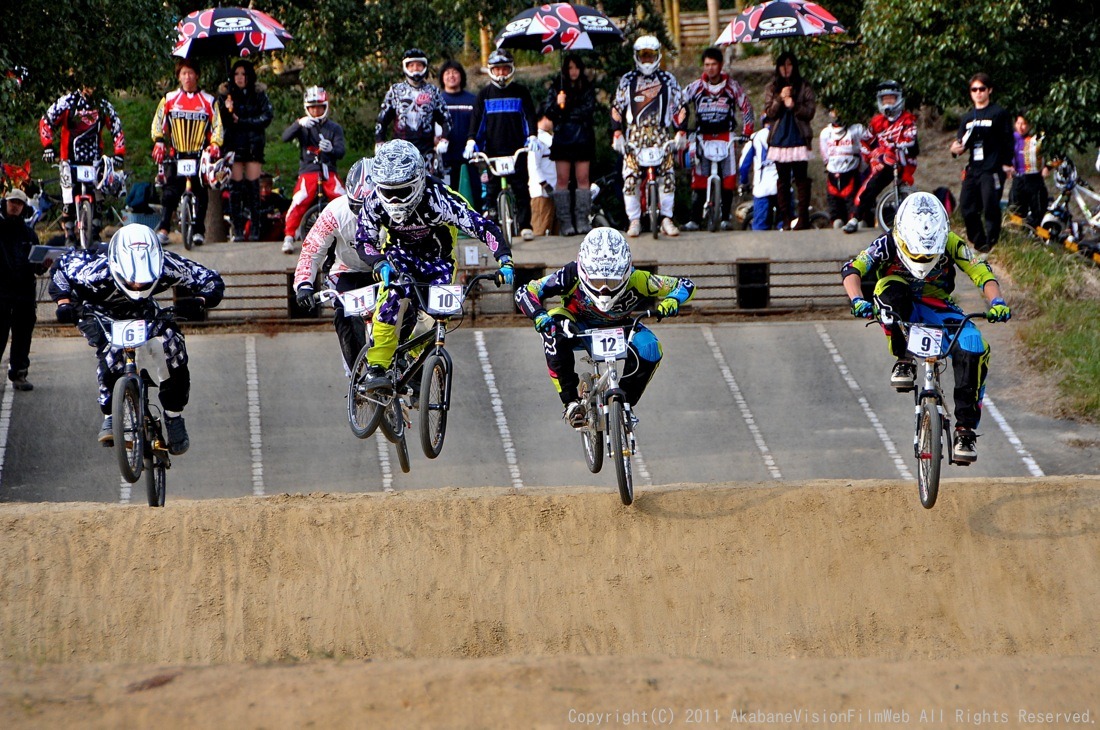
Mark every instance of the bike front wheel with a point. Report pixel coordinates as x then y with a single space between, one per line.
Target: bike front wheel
653 201
619 446
187 219
155 481
929 451
591 438
403 454
84 223
127 414
433 406
506 212
364 411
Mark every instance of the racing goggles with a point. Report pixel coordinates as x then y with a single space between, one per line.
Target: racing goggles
646 55
920 258
601 285
401 195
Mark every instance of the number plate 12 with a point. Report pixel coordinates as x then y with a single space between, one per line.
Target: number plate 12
609 344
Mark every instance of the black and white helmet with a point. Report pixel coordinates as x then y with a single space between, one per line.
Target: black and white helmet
501 58
398 176
416 78
136 260
890 88
1065 175
358 183
604 264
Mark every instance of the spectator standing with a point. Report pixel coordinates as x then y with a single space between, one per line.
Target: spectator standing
17 287
754 157
790 102
542 176
413 108
1028 194
247 112
986 133
571 106
460 105
839 145
320 145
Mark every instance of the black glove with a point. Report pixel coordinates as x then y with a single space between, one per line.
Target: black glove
304 296
190 308
66 313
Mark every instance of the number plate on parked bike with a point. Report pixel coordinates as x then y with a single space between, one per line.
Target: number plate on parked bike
129 333
85 173
503 166
608 343
650 156
186 168
924 341
443 300
358 302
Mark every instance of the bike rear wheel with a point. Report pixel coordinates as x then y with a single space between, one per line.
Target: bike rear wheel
820 220
155 481
887 207
127 415
653 201
364 412
393 421
714 213
591 438
433 409
619 445
506 212
84 217
929 451
187 220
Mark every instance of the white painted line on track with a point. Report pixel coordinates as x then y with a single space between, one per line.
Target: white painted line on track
643 471
845 373
125 491
742 404
252 377
384 462
5 424
498 409
1017 444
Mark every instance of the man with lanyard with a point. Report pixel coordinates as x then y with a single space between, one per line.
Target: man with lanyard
82 118
413 108
189 119
716 98
645 107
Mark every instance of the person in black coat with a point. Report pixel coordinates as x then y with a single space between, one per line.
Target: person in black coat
17 287
571 106
246 112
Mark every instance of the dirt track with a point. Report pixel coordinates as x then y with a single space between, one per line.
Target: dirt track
821 596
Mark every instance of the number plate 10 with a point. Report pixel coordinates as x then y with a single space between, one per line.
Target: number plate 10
444 300
609 344
925 342
130 333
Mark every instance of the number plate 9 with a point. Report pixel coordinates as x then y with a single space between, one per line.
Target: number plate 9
130 333
608 344
925 342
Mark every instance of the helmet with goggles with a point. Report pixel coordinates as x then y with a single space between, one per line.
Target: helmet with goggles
316 96
604 265
398 176
920 232
136 260
891 110
502 61
647 54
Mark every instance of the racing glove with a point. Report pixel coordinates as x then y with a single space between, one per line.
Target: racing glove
998 311
618 142
471 149
159 152
442 146
668 307
507 272
325 145
862 309
384 271
306 122
66 313
214 151
544 323
533 145
49 156
304 297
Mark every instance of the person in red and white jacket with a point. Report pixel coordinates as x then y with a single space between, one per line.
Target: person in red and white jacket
891 137
841 150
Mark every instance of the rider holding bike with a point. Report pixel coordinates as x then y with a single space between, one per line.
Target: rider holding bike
189 119
334 234
121 284
716 99
913 267
413 108
891 134
420 215
600 289
321 144
82 118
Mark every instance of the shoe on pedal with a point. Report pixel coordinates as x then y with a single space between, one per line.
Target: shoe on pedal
904 376
965 447
575 414
107 432
377 377
178 442
635 229
669 228
690 226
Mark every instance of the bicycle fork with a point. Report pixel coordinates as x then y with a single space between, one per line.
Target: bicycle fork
931 389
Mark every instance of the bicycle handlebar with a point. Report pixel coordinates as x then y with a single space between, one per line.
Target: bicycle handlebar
492 162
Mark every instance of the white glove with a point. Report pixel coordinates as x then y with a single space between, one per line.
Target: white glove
325 145
680 141
471 148
306 122
618 143
442 146
533 145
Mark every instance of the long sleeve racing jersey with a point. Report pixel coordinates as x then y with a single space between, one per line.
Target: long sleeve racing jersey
191 121
413 113
82 122
334 231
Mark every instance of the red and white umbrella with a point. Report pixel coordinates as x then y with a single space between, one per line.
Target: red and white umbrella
779 19
228 32
559 27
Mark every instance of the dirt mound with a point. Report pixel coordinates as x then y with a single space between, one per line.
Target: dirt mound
736 578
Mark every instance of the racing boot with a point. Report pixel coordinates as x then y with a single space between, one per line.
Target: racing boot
178 442
107 432
965 447
575 414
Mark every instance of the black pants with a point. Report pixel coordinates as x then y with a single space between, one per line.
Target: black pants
173 191
454 179
350 331
517 183
561 361
17 318
1029 197
868 194
980 203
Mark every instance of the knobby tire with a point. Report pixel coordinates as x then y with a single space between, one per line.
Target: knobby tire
155 481
620 451
506 212
591 437
127 416
363 413
84 216
187 223
714 213
653 200
433 411
929 452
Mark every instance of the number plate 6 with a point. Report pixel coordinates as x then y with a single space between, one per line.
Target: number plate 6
130 333
925 342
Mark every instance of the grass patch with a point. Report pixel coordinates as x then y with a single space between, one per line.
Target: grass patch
1058 296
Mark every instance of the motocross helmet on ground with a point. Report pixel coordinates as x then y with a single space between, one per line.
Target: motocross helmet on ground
604 265
398 175
920 231
136 260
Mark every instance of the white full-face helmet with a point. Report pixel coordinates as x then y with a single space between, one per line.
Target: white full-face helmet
358 183
647 54
316 96
604 264
136 260
398 176
920 231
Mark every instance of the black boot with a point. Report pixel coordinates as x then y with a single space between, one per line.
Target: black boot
583 211
563 210
236 209
727 210
252 206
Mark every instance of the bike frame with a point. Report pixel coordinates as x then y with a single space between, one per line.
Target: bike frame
714 180
651 201
496 167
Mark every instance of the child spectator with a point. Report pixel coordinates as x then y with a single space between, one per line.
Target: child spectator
839 144
542 176
765 181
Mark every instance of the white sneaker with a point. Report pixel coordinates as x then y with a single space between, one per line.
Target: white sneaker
527 234
162 237
288 244
669 228
635 229
198 239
